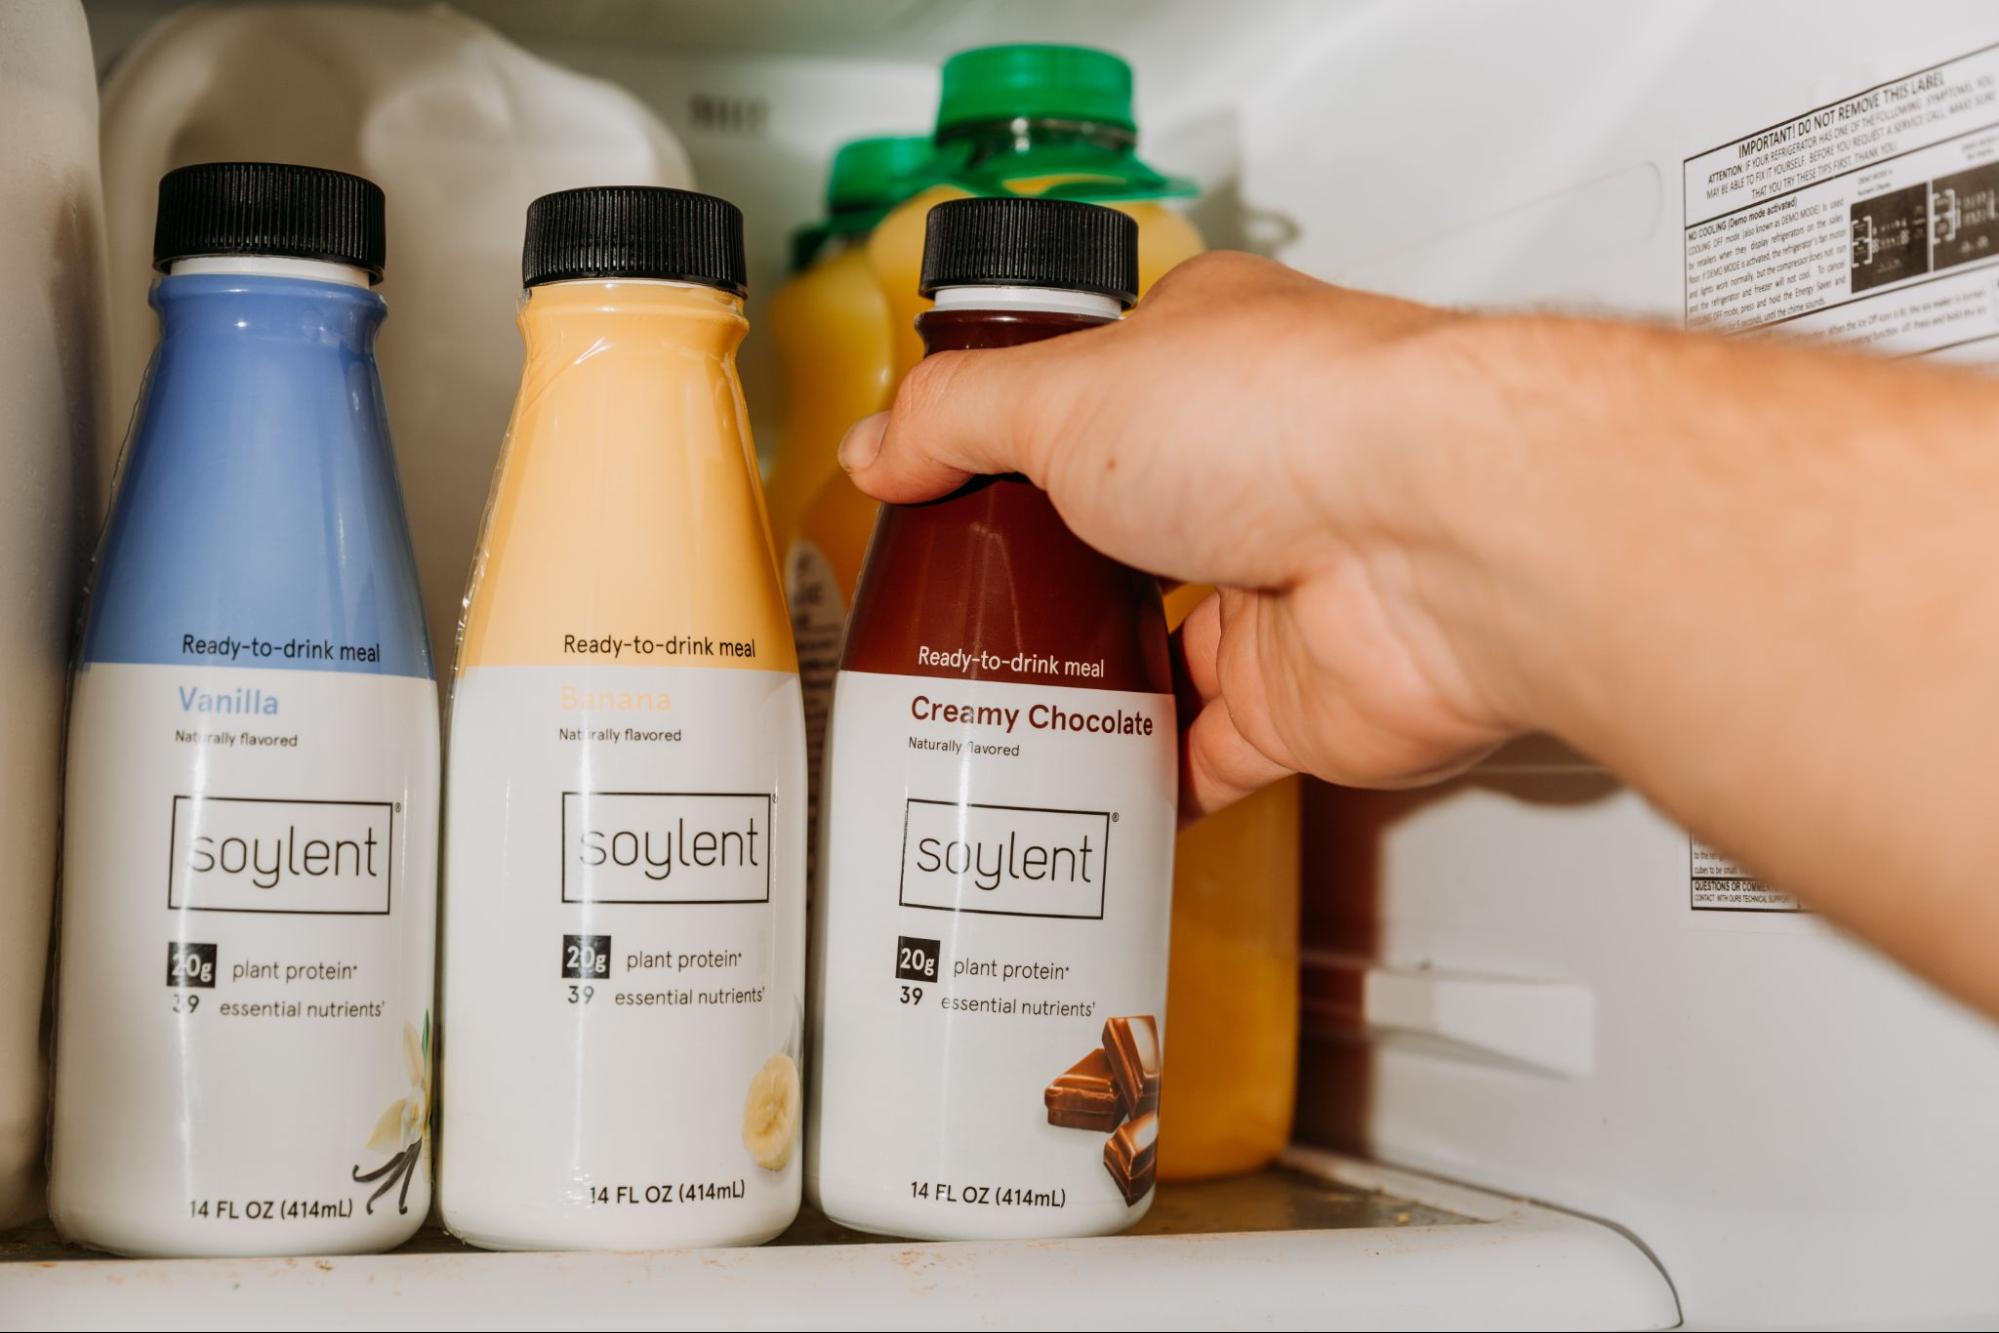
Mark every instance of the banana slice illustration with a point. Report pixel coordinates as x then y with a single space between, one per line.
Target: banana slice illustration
770 1113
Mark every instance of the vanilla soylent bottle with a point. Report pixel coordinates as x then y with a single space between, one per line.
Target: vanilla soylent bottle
625 828
243 1034
995 884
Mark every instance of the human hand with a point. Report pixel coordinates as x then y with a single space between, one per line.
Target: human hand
1241 428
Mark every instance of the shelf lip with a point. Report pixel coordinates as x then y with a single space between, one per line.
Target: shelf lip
1519 1266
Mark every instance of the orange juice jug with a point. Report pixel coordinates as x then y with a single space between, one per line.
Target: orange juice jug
1032 119
831 322
1232 981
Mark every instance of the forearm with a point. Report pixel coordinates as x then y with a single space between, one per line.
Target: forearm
1756 580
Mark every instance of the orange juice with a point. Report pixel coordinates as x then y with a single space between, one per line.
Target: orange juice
831 323
1232 981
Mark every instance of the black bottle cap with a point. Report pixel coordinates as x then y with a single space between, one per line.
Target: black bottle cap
1011 241
269 208
635 231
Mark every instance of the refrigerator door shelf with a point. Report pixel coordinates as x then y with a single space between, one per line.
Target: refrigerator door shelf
1326 1241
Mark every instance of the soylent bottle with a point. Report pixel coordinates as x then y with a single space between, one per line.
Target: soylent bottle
999 818
624 882
244 1042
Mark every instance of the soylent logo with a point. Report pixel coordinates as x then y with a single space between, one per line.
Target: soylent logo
247 854
1004 860
666 847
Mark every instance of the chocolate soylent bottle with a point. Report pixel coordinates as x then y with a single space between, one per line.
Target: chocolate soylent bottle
999 818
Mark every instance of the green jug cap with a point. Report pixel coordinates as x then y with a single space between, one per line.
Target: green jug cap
1036 81
869 177
875 174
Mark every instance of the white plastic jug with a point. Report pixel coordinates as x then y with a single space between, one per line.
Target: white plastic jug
461 128
51 266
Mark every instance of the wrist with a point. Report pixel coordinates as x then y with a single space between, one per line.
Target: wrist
1494 468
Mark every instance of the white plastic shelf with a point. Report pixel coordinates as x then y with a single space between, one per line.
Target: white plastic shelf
1325 1241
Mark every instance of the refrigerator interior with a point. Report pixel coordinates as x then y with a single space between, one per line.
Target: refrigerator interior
1727 1117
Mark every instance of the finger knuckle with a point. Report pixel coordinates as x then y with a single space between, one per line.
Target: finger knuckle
1206 273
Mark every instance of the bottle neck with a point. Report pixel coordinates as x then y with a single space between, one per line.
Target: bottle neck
263 299
979 317
980 141
644 312
271 266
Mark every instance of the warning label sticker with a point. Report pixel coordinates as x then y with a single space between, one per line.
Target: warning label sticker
1873 219
1717 884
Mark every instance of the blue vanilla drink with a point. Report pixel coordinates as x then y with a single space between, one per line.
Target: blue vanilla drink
244 1048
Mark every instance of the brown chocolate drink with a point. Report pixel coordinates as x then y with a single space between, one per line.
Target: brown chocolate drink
999 812
992 569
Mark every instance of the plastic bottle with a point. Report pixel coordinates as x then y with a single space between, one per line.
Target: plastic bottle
831 323
624 871
1001 756
244 1038
1233 984
831 327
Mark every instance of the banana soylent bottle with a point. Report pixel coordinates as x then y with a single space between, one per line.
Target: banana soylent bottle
990 933
244 1038
624 874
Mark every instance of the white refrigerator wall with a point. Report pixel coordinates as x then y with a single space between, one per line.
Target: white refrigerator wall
1798 1130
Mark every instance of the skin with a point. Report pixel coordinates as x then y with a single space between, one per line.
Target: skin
1754 578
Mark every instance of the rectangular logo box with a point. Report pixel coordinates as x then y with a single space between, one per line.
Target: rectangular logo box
686 847
1004 860
308 858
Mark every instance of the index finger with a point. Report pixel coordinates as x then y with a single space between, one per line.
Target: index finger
959 415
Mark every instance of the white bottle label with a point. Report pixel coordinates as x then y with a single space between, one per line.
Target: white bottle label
248 945
995 901
624 956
